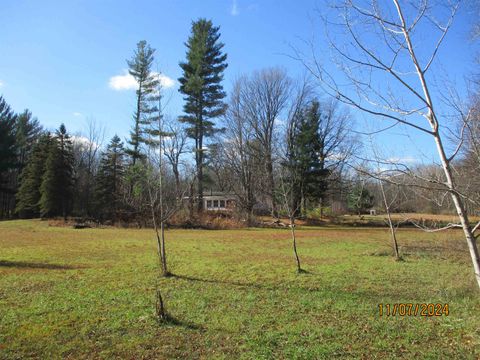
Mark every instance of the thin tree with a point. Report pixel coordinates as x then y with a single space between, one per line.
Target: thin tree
163 202
140 67
201 85
392 55
393 230
289 182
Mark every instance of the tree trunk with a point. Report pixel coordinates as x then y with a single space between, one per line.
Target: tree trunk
163 252
200 166
271 184
294 240
200 185
321 207
390 223
160 307
460 208
431 117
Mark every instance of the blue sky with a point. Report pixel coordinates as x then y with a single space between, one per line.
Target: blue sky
58 57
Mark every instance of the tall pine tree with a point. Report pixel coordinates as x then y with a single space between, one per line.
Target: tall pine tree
28 195
8 161
57 181
140 67
201 85
109 180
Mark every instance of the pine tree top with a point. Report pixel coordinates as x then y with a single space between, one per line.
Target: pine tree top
203 74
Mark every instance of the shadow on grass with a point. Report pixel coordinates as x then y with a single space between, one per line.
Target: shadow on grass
33 265
338 291
210 281
173 321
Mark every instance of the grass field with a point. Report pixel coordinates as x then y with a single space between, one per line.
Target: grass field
89 293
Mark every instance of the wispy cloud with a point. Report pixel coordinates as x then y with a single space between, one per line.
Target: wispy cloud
403 160
234 10
77 114
1 83
128 82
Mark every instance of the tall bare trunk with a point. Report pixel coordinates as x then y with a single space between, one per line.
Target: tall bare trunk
460 208
432 119
200 167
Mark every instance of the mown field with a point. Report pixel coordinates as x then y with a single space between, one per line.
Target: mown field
89 293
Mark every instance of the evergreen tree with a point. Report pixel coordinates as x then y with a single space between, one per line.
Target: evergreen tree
28 131
140 67
28 195
57 181
7 143
303 157
312 143
8 162
201 85
360 199
109 180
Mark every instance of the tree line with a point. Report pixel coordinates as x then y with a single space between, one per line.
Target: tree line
272 136
240 144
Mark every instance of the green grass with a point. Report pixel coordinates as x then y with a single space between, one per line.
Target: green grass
89 293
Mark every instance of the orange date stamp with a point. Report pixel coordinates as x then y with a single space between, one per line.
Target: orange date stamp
410 309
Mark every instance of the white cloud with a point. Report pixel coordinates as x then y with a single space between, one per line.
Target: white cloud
77 114
123 82
165 81
83 143
128 82
1 83
234 10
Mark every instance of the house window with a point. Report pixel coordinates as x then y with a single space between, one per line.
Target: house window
222 204
215 203
209 204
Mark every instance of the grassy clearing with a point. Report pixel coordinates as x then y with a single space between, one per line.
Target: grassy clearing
89 293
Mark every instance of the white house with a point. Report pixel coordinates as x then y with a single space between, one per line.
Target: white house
218 201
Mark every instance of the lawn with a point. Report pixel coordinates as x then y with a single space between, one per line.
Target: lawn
89 293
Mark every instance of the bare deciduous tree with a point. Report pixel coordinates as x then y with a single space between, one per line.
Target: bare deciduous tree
174 146
241 149
86 154
387 72
265 97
